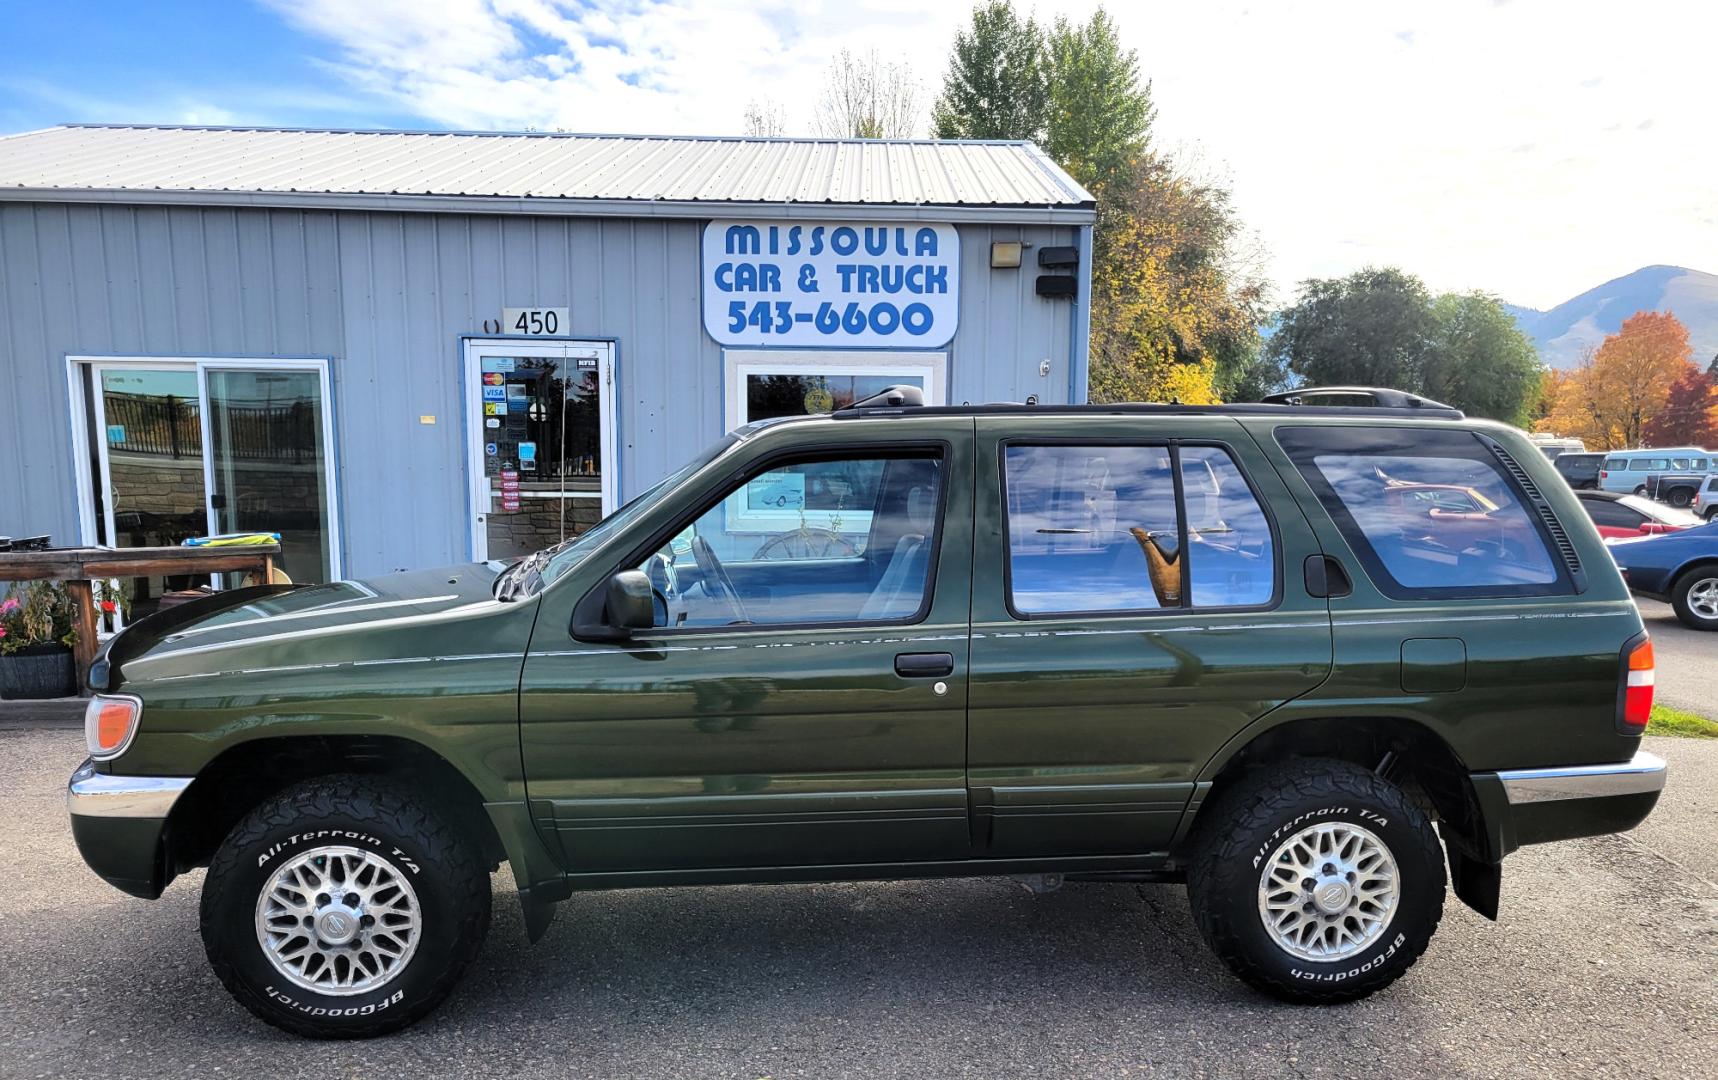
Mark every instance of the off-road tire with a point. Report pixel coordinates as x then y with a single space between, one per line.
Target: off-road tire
1682 602
373 814
1245 827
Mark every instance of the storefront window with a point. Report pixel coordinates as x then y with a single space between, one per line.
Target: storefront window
766 385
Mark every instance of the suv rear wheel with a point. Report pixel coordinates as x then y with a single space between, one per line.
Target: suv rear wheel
1317 881
343 908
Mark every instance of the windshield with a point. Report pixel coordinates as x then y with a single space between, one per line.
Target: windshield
565 556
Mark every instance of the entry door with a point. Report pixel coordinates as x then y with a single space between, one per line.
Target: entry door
1138 601
802 698
540 417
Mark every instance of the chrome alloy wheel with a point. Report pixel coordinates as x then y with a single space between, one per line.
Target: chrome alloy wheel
1329 891
1703 598
338 920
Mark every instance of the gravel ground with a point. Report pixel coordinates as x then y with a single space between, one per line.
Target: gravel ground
1604 966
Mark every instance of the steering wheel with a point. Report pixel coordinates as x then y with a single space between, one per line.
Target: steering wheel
715 575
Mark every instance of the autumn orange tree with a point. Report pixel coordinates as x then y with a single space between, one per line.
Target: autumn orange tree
1622 386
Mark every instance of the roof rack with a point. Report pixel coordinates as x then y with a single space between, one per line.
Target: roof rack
1376 397
903 400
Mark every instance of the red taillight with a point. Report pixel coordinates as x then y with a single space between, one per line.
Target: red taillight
1637 686
1603 474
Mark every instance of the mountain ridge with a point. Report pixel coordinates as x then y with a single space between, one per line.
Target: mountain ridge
1564 333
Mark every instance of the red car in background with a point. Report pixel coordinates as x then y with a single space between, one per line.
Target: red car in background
1632 516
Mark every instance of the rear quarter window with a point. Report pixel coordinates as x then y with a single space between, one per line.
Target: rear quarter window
1429 513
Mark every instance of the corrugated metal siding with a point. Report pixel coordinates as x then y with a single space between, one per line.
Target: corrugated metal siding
387 296
871 172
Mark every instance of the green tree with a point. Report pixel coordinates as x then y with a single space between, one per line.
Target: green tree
1170 320
1370 328
1100 112
1479 360
997 85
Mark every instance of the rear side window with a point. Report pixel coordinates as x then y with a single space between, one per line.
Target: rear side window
1613 464
1430 513
1099 528
1614 514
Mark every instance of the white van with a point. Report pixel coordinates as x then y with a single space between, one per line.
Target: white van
1627 470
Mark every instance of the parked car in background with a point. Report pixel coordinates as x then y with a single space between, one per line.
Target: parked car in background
1580 470
1705 502
1622 516
1555 448
1677 488
1680 568
1627 470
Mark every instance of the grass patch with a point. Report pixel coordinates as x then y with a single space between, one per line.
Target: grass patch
1668 721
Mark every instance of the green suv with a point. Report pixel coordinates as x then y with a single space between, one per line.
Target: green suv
1297 657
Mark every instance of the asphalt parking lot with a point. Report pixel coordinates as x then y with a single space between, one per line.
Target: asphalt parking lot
1604 965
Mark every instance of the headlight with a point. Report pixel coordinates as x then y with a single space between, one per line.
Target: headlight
109 723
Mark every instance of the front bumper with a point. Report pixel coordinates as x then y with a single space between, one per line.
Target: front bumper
120 825
1537 806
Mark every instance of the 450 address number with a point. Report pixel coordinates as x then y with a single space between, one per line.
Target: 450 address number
779 317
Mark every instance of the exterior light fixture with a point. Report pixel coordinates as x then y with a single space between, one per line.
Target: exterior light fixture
1005 254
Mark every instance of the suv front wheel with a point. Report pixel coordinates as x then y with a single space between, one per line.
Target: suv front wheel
1317 881
343 908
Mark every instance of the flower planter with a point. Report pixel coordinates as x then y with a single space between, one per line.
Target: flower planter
38 671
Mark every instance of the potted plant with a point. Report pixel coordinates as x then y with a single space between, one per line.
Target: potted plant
37 629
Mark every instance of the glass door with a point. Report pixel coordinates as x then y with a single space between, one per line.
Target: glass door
183 448
267 465
153 489
541 417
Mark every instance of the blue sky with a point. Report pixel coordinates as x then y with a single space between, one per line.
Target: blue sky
171 61
1528 148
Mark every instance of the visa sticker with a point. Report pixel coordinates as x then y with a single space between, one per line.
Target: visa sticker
494 393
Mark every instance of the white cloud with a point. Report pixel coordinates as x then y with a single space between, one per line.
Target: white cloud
1531 149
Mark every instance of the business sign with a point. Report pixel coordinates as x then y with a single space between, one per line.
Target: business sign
831 285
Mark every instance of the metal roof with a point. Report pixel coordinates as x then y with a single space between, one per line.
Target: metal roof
536 173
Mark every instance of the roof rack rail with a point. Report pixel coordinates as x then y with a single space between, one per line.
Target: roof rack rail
1371 397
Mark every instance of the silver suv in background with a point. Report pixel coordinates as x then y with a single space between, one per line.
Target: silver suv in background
1705 501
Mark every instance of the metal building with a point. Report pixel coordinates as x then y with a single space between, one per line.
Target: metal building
407 349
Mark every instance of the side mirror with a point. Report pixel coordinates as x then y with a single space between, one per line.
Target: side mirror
630 603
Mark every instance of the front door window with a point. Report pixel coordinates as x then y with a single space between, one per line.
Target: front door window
850 540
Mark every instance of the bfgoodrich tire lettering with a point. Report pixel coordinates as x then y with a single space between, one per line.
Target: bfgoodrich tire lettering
381 819
1249 826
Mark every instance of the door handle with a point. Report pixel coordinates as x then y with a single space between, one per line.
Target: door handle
924 665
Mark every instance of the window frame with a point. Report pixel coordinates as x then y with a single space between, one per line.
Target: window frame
1415 442
588 610
1174 447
